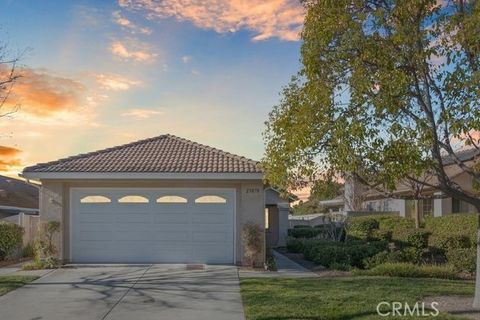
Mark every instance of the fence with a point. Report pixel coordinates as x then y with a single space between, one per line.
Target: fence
29 223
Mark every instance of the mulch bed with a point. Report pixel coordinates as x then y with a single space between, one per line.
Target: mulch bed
7 263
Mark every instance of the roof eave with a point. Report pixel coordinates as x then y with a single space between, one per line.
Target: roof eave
140 175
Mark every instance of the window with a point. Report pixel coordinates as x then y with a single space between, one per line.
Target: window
171 199
210 199
95 199
133 199
427 207
459 206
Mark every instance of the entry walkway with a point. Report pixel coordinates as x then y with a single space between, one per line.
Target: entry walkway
285 268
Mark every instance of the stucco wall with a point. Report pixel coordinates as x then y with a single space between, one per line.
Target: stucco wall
55 195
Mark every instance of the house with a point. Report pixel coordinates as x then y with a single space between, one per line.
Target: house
159 200
433 202
17 196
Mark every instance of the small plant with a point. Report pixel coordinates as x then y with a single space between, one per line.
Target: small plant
11 236
271 263
28 251
253 244
44 248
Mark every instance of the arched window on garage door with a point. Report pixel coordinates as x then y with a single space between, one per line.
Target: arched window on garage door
133 199
95 199
171 199
211 199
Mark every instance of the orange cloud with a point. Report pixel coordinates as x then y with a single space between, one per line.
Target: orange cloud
266 18
41 94
8 158
132 51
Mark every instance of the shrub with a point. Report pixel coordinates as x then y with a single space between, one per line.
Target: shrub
410 271
361 227
463 260
382 235
300 226
332 254
443 228
28 251
44 248
11 236
453 242
252 237
408 255
418 239
304 232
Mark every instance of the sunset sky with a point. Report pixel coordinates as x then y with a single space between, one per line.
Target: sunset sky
102 73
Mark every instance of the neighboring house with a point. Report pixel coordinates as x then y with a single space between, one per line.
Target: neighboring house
17 196
159 200
434 203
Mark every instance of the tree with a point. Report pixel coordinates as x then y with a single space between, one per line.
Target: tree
322 189
387 91
9 74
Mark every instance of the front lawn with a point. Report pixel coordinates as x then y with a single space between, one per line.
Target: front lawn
9 283
339 298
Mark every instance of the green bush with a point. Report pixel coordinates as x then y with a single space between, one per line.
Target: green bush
28 251
11 236
407 255
444 229
418 239
362 227
301 226
463 260
409 270
336 254
382 235
304 232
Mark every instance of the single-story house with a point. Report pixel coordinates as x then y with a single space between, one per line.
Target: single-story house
433 203
159 200
17 196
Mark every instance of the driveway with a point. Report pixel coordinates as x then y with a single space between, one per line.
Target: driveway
129 292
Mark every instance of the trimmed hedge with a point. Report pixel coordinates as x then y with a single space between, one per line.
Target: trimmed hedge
338 255
370 227
304 232
11 236
409 270
444 229
463 260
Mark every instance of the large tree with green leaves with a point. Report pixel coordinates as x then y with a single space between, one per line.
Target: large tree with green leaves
387 91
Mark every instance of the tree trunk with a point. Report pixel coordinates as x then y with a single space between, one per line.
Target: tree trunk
476 299
417 213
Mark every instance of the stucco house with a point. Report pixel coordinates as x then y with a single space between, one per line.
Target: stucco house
159 200
433 202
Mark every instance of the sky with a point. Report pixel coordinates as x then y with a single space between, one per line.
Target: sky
97 74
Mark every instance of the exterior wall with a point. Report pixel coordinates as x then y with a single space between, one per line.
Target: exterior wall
283 224
273 226
55 202
385 205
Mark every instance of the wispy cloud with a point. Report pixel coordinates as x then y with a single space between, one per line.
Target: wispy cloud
186 59
41 94
115 82
128 24
132 50
282 19
142 113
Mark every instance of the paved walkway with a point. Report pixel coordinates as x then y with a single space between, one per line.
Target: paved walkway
285 268
128 293
16 270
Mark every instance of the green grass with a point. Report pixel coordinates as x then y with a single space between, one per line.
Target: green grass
9 283
339 298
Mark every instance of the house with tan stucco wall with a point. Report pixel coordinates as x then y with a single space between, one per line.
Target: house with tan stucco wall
159 200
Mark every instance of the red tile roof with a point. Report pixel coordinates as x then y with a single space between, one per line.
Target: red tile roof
165 153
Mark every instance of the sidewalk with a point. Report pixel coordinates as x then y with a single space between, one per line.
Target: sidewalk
16 270
286 268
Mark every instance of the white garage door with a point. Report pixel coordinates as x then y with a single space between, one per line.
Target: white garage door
152 225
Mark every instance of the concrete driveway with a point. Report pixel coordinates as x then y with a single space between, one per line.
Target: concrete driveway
129 292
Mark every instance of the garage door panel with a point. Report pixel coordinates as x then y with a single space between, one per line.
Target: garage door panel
162 232
170 218
210 218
